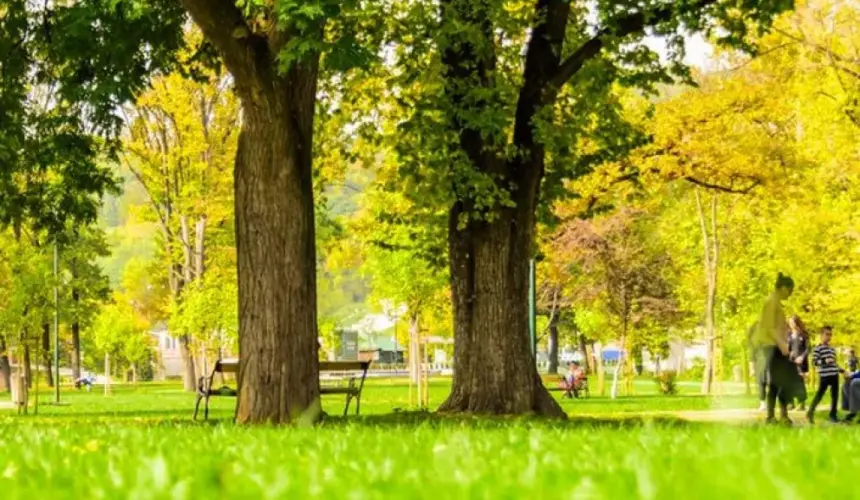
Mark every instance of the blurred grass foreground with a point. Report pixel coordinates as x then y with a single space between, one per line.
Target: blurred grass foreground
140 442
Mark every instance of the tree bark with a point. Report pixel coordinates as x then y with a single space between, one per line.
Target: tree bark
46 353
414 349
107 374
279 368
200 247
276 254
187 253
76 341
553 344
5 367
711 255
494 369
746 371
28 367
189 376
415 372
583 348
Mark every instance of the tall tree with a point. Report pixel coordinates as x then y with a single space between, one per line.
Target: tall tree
402 252
87 286
120 337
520 84
274 52
625 270
99 55
181 143
711 252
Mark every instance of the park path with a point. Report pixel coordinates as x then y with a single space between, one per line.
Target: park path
722 415
735 416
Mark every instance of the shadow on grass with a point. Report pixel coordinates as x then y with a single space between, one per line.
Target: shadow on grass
182 418
442 421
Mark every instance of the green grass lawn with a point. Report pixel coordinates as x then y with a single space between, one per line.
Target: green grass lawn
141 443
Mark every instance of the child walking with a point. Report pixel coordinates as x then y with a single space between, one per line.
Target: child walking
824 358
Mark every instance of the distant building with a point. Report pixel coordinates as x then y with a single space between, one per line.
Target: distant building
168 362
372 338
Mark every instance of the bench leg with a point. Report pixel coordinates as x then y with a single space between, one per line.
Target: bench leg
206 408
358 404
346 408
197 405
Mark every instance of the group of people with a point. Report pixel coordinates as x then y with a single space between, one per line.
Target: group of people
783 363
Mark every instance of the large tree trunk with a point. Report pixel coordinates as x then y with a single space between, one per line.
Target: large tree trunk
494 369
5 367
46 353
553 344
276 253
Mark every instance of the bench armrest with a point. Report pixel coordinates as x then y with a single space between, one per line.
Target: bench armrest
204 384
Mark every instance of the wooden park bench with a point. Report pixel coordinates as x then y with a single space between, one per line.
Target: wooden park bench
343 371
352 372
205 389
553 383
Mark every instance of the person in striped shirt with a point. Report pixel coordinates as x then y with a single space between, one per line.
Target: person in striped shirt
824 358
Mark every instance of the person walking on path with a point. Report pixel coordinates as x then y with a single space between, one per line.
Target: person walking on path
824 358
772 337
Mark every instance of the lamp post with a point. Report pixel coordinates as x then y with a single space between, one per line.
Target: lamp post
395 341
56 323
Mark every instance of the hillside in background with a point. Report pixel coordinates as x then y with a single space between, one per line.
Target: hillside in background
131 235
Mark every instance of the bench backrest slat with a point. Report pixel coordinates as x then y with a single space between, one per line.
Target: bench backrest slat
232 366
339 366
227 366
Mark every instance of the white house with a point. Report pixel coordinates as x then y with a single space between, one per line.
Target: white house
168 354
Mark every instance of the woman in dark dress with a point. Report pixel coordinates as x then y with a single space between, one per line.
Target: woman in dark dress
798 343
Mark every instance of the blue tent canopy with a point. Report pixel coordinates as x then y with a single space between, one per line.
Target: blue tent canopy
611 354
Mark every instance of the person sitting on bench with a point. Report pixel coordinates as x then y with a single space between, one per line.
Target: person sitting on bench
85 380
573 381
851 395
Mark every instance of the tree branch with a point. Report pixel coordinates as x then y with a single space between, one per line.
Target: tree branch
628 25
224 25
725 189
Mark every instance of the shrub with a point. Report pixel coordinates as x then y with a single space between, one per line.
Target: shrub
666 383
696 370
